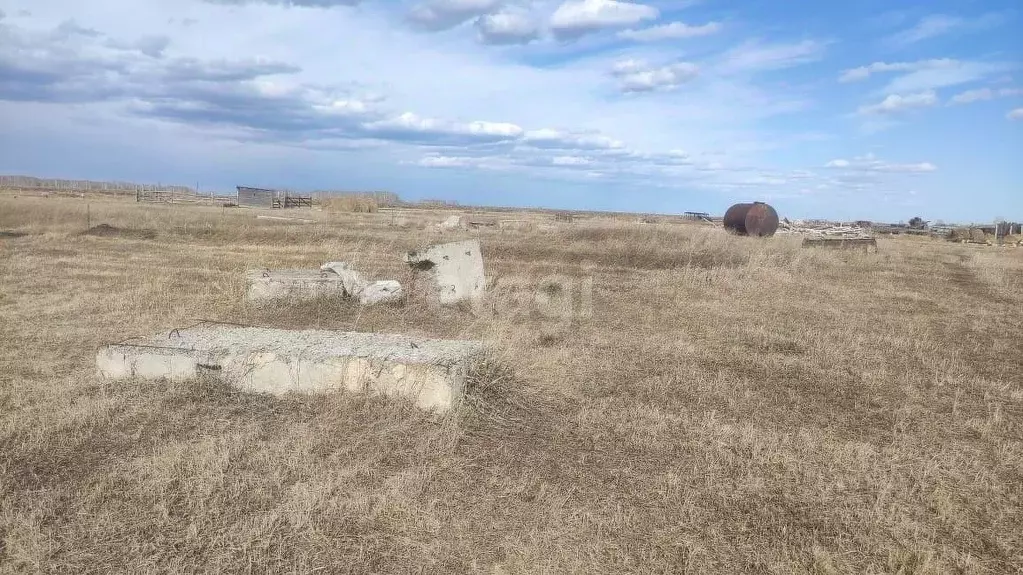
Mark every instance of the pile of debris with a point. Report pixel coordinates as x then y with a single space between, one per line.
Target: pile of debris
332 279
818 228
453 271
430 372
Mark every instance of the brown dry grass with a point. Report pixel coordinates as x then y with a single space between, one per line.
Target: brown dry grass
349 203
732 405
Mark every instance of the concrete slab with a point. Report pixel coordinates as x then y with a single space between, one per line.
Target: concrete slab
267 285
454 270
334 278
430 372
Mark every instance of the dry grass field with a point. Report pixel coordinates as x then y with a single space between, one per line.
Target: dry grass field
731 405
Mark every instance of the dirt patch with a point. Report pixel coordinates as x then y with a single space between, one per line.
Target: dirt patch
108 231
7 234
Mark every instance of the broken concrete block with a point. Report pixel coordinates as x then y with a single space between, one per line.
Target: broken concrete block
350 278
380 292
266 285
451 223
334 278
454 270
430 372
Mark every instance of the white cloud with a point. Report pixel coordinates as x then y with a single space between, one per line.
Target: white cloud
981 94
571 161
925 75
547 138
757 56
896 103
870 163
511 25
574 18
1016 114
295 3
273 81
928 27
936 25
672 31
442 161
436 15
933 79
638 76
864 72
443 131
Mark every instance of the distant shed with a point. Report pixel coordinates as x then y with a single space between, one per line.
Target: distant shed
257 197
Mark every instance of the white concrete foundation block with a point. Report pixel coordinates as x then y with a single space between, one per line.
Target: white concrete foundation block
380 292
454 269
351 279
292 284
430 372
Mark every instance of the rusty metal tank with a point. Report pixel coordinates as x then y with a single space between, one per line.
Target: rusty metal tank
756 219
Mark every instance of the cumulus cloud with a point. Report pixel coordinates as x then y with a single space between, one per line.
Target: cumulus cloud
638 76
672 31
982 94
575 18
1016 114
437 15
484 113
870 163
510 25
896 103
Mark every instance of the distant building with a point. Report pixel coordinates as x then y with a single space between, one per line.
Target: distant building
257 197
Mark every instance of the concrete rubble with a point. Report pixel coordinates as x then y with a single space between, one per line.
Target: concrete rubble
333 279
349 278
454 271
451 223
380 292
822 229
266 285
430 372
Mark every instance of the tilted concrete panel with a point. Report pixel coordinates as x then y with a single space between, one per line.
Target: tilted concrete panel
455 270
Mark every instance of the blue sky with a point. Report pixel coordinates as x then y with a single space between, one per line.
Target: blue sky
869 109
